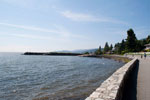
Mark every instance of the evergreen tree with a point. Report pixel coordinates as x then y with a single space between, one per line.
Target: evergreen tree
111 47
140 45
117 48
144 42
106 48
148 39
132 44
86 53
98 51
122 47
131 41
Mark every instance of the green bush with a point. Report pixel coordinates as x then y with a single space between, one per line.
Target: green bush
86 53
147 50
123 52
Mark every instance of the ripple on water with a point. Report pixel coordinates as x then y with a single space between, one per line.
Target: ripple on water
51 77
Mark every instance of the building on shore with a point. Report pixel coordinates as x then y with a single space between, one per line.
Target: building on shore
147 46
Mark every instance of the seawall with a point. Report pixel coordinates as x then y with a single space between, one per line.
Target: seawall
117 85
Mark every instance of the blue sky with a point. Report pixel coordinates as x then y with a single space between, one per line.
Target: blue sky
49 25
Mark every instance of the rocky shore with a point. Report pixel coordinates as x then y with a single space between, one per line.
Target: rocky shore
114 57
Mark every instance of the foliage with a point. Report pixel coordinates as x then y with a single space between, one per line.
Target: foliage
111 47
98 51
148 39
130 44
147 50
106 48
131 41
86 53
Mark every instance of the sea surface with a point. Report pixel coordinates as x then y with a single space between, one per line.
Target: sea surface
52 77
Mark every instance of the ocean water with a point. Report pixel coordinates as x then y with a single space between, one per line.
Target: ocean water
52 77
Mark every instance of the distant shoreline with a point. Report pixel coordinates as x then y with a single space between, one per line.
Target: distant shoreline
52 53
114 57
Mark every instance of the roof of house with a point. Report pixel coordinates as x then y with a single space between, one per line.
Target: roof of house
147 44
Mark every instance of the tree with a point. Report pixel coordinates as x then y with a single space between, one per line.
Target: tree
111 47
86 53
122 47
117 48
98 51
131 41
106 48
148 39
140 45
131 44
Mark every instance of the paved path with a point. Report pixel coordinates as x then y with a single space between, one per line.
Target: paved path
143 81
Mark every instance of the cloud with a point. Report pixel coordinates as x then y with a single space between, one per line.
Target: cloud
79 16
39 37
31 36
60 31
32 28
89 18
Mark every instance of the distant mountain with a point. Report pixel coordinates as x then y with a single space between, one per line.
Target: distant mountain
64 51
85 50
79 51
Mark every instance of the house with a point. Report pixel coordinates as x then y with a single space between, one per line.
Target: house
147 46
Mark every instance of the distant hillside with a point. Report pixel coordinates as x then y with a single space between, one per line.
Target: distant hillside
79 51
85 50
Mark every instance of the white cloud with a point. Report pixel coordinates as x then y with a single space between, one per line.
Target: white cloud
33 28
89 18
31 36
40 37
79 16
59 32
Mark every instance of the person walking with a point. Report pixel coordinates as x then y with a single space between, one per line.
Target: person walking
141 56
144 55
132 55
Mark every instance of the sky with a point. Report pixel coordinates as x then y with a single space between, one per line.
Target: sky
52 25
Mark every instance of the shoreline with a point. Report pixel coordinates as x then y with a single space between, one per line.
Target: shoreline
116 87
113 57
119 58
51 54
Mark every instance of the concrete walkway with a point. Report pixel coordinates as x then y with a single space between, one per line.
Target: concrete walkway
143 81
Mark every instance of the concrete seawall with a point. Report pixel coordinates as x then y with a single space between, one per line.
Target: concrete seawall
116 86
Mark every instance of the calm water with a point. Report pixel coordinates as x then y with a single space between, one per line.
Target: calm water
51 77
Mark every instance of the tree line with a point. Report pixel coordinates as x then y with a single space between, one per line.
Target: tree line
130 44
